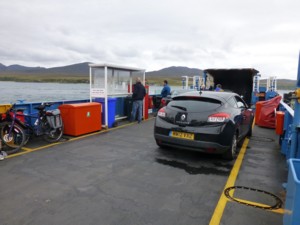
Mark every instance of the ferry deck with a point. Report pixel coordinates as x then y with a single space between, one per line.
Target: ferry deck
120 176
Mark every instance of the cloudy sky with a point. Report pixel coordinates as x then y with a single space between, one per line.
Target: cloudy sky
153 34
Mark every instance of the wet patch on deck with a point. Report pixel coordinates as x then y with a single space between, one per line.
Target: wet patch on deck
215 170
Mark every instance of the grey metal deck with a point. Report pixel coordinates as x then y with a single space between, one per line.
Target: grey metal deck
122 177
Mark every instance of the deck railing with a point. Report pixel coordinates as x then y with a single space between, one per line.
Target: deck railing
286 138
291 148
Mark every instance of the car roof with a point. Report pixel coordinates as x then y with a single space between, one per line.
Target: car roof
219 95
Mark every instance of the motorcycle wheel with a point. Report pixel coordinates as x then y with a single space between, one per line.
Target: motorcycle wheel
15 140
53 135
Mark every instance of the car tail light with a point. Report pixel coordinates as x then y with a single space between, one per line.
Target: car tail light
210 150
163 102
3 116
218 117
162 113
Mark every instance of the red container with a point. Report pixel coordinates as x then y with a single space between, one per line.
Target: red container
279 122
150 104
258 106
146 103
81 118
19 115
266 114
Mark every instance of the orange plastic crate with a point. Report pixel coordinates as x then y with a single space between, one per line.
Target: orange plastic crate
81 118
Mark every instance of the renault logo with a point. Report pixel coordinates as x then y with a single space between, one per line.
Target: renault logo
183 117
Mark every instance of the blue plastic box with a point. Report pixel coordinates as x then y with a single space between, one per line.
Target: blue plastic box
120 107
111 110
292 202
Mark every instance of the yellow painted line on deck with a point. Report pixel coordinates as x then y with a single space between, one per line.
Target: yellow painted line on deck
280 211
28 150
219 210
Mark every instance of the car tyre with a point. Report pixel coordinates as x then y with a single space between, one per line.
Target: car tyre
160 145
232 151
249 134
240 142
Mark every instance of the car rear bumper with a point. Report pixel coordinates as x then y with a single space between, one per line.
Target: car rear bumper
210 139
194 145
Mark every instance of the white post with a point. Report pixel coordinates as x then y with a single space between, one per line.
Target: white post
90 84
274 84
105 97
268 84
256 83
186 81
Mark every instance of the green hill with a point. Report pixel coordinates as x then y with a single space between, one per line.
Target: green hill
79 73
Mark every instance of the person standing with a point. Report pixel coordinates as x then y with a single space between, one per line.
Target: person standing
138 95
166 90
219 88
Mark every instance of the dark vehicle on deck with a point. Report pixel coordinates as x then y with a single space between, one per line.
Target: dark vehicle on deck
207 121
160 102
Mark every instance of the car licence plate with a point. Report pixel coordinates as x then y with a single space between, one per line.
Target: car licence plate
183 135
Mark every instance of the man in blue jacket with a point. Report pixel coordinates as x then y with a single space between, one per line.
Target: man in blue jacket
219 88
166 90
138 95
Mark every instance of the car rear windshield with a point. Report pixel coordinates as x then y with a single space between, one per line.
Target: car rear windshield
194 104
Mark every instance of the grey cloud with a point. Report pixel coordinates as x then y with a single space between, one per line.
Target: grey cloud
152 34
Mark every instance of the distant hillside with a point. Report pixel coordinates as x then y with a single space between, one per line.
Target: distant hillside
78 69
73 70
83 69
79 73
175 71
282 84
19 68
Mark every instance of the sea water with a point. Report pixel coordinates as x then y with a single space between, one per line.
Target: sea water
14 92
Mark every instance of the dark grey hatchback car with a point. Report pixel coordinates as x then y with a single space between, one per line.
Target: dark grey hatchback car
207 121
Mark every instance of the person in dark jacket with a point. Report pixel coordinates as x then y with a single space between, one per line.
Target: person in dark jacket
138 95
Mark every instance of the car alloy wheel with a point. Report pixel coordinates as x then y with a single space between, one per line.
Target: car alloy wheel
232 151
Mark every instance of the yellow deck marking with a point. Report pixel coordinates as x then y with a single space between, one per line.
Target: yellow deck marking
219 210
280 211
218 213
28 150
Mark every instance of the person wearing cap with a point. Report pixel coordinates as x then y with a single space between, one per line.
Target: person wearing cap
138 95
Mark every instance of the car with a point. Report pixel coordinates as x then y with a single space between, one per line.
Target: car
205 121
165 101
160 102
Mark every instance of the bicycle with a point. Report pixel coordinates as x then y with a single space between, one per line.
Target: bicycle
15 131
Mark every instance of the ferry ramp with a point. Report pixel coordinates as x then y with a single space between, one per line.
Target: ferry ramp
122 177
